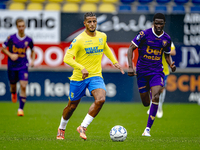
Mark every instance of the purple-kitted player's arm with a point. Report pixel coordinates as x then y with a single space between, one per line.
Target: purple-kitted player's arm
31 45
12 56
170 62
131 71
168 57
135 43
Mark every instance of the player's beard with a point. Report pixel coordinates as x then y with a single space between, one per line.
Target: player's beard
158 31
92 30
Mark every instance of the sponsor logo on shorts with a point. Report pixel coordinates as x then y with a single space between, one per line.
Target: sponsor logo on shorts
25 75
72 95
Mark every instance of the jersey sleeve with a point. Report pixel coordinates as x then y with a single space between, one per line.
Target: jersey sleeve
7 42
138 39
167 48
31 45
71 52
172 47
109 54
74 47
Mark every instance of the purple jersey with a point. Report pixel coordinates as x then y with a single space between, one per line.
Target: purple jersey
18 45
150 48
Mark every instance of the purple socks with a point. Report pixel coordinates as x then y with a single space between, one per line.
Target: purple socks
22 101
152 114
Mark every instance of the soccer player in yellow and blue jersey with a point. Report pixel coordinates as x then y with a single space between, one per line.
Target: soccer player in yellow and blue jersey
166 72
87 49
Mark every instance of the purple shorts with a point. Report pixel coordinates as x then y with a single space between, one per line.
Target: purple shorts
146 82
16 75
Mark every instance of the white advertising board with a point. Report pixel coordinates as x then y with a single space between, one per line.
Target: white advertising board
42 26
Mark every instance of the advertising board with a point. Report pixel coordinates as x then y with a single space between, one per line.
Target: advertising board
54 86
51 56
42 26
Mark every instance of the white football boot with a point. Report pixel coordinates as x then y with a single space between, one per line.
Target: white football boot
159 113
146 132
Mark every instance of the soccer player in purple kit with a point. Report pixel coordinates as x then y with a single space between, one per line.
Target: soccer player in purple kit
151 44
18 63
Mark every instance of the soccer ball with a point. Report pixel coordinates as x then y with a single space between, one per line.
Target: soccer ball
118 133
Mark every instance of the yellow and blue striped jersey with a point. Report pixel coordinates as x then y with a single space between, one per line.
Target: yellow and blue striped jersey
88 52
164 62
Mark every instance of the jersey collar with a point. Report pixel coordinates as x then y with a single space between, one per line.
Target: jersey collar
156 34
20 38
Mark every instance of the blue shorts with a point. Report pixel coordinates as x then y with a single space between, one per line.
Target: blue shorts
78 88
15 76
165 80
146 82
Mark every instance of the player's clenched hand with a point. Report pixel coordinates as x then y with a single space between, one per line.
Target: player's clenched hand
85 73
173 66
14 57
131 72
119 67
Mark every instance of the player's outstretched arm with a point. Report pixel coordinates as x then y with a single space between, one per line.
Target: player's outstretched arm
32 58
170 62
119 67
131 71
110 55
173 66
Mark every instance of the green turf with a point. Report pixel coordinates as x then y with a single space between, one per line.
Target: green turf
178 129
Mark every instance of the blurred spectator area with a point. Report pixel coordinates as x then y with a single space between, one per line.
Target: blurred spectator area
105 6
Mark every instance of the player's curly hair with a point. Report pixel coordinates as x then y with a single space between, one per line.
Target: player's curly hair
89 14
159 16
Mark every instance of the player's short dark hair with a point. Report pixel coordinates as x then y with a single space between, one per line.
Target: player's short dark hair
19 20
89 14
159 16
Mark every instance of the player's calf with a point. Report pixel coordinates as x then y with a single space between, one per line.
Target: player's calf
14 97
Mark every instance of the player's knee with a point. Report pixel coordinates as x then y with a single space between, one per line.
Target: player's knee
146 104
145 101
23 87
100 101
156 98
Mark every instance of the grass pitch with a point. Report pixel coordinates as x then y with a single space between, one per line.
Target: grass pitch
178 129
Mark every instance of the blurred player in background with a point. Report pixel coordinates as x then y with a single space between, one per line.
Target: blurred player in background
151 44
18 63
87 48
166 72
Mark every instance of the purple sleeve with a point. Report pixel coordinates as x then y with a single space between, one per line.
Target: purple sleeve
6 43
138 39
31 45
167 49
